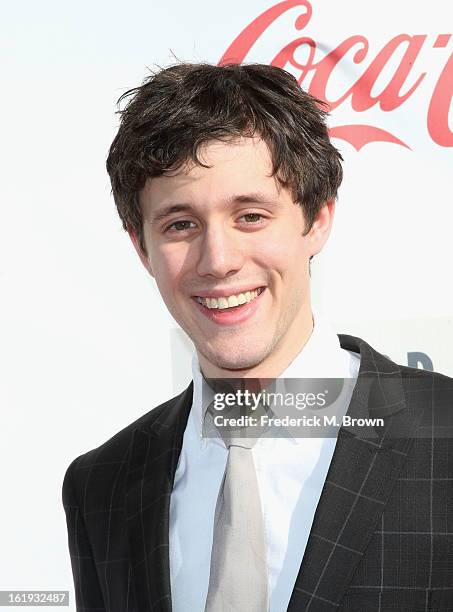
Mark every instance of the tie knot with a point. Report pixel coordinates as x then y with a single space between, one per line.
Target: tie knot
236 425
237 414
247 443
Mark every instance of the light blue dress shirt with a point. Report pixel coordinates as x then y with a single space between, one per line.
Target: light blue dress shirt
291 473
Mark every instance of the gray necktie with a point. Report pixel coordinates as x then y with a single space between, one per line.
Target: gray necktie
238 580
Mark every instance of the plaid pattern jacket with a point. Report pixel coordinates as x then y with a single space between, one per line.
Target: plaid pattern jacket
382 535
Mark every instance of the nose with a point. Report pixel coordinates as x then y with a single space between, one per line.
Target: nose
220 253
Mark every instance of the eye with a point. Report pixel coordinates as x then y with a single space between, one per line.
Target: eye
180 225
253 217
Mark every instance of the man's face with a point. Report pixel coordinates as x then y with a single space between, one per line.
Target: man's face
231 235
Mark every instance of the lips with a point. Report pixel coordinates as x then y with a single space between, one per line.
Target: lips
234 314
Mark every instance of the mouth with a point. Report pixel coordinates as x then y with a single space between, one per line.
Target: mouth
231 301
234 308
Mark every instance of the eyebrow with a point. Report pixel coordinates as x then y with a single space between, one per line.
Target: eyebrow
246 198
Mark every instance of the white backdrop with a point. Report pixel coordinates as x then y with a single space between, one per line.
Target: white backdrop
86 344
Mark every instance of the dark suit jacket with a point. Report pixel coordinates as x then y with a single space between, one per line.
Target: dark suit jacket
382 536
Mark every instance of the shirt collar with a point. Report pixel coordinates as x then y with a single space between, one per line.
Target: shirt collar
320 357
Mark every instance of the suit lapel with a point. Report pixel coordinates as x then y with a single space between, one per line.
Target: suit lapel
152 465
358 484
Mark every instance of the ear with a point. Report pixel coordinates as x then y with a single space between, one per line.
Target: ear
144 258
320 230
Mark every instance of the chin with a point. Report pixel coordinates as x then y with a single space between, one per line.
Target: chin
242 361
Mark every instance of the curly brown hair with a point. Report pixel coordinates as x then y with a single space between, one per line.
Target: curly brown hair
179 108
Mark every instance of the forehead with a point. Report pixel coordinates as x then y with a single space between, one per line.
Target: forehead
251 152
242 165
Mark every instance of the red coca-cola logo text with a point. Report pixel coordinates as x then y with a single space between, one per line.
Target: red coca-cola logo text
360 92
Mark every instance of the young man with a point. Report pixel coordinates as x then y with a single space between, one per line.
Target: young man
225 179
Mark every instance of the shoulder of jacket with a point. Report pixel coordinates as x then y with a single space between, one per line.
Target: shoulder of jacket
437 379
114 451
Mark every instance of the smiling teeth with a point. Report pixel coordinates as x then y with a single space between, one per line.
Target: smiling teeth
230 301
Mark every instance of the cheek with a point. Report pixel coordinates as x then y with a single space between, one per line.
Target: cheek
288 261
168 270
282 251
